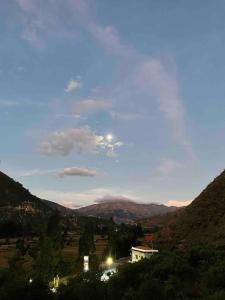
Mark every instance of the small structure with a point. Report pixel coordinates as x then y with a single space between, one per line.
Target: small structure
86 263
27 207
141 252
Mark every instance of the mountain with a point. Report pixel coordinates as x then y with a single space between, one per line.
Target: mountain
62 209
17 202
200 223
124 210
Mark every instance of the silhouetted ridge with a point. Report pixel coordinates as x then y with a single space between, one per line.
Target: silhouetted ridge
202 222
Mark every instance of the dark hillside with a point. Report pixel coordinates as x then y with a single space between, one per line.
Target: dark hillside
200 223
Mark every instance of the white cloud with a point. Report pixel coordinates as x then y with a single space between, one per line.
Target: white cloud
75 171
78 140
178 203
73 85
91 105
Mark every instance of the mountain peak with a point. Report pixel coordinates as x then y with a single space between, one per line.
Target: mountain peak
124 210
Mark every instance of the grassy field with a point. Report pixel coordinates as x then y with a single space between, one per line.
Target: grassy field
69 252
6 252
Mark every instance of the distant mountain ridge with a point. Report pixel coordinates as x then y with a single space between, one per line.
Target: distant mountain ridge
124 210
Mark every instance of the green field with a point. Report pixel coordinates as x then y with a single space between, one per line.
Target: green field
69 252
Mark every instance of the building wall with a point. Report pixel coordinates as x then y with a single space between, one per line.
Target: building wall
138 255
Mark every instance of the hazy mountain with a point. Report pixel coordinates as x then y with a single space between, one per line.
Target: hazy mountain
124 210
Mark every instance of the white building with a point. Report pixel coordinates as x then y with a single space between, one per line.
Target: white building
140 252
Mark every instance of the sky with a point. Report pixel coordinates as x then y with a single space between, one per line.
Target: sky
112 99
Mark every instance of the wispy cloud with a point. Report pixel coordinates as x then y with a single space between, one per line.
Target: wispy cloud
73 85
30 173
96 105
76 171
14 104
124 116
150 75
91 105
157 81
9 103
167 167
43 19
70 171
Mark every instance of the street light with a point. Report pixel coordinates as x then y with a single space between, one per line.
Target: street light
109 261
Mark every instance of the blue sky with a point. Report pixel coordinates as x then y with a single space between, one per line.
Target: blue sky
112 99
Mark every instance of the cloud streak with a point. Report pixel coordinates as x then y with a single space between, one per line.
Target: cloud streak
91 105
94 105
75 171
167 167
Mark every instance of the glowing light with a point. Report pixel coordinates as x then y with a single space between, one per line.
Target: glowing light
30 280
109 261
109 137
86 263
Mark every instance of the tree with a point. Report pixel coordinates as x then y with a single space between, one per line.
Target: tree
86 241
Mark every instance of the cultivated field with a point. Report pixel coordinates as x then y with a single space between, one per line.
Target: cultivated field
69 252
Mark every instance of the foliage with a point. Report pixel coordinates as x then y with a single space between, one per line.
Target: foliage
86 241
195 274
121 238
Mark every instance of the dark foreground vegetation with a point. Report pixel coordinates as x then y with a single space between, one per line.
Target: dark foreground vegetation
195 274
181 270
38 257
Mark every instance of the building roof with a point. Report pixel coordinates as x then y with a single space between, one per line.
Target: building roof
144 249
